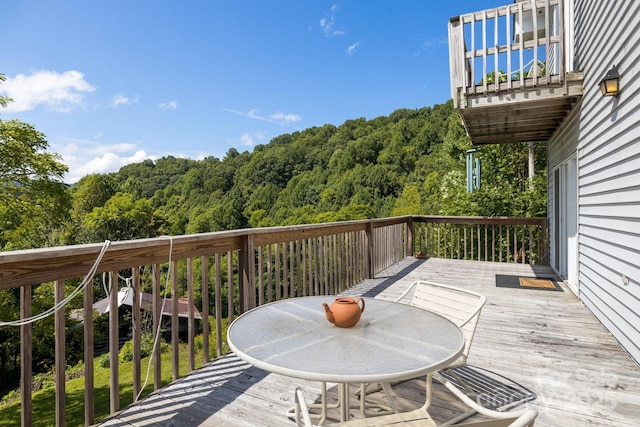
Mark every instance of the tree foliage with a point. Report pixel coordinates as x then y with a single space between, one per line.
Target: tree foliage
33 197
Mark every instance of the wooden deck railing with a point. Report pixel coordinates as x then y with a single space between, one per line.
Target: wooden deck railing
240 269
505 48
497 239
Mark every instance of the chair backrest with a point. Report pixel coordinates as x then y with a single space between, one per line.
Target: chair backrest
461 306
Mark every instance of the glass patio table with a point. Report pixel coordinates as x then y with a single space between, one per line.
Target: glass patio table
391 342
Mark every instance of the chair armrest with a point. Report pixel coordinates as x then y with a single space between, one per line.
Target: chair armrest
404 294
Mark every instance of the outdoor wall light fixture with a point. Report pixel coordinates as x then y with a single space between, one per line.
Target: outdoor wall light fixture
609 83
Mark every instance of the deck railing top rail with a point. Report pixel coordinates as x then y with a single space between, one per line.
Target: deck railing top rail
32 266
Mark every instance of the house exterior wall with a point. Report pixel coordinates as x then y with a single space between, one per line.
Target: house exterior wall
605 134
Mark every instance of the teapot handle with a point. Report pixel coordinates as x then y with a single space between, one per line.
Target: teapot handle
359 300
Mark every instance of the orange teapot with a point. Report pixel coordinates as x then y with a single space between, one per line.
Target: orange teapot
344 312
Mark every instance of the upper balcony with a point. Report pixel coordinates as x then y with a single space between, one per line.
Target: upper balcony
512 76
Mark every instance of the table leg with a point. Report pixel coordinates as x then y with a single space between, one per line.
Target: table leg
343 398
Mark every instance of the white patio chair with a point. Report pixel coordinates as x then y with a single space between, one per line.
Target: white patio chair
461 306
483 390
419 417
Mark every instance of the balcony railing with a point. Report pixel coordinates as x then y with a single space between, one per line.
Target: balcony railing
510 56
240 269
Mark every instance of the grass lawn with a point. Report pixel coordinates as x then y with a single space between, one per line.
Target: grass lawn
43 413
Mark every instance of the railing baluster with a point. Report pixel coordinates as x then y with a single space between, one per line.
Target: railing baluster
157 324
191 327
277 274
230 292
521 45
175 325
136 332
204 311
114 383
269 273
304 272
285 271
60 360
218 303
260 271
26 361
292 268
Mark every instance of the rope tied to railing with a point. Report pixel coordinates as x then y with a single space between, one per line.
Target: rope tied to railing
88 278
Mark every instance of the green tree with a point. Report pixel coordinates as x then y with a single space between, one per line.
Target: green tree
123 218
33 197
90 192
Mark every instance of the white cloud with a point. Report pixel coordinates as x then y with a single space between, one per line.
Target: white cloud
122 99
435 43
285 118
56 91
86 157
119 99
250 140
110 162
328 24
246 139
171 105
352 49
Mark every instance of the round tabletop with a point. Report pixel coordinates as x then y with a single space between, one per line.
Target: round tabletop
391 342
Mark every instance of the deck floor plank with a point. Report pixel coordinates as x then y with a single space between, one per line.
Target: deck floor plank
546 340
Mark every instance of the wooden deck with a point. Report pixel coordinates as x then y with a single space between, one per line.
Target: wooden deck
545 340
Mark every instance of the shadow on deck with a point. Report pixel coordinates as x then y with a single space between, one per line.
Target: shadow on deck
547 341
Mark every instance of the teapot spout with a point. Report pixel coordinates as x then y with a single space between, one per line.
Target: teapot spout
328 313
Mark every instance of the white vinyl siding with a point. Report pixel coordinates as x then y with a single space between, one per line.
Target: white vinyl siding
607 131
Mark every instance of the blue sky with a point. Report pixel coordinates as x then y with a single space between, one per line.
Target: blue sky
115 82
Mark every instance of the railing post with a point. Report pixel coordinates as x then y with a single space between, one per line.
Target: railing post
456 60
544 250
247 268
370 252
26 367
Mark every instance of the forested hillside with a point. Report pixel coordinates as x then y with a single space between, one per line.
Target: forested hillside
410 162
